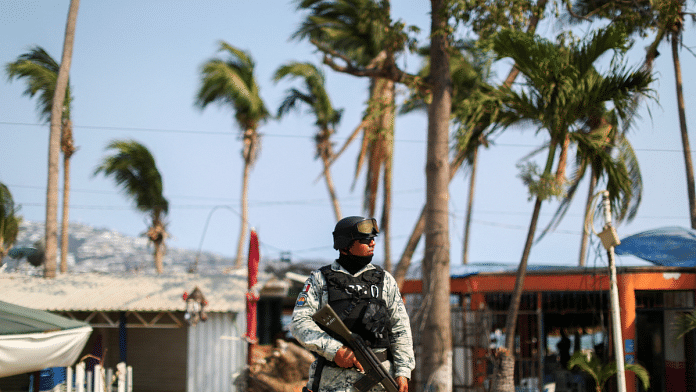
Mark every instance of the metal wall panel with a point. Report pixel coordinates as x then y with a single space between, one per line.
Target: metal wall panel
216 353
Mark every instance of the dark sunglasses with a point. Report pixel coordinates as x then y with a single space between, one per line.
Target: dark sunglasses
365 241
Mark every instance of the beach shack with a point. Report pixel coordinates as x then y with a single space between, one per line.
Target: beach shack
178 332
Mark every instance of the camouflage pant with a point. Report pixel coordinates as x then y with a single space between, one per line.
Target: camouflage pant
338 379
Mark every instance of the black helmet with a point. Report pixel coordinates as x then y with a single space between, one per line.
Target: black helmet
353 228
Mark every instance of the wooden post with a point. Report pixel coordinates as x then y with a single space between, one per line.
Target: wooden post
80 377
68 379
98 379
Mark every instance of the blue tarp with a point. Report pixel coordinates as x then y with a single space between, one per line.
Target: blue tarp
667 246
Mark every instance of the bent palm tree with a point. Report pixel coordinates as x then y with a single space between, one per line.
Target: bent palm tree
133 168
231 82
40 71
560 82
317 98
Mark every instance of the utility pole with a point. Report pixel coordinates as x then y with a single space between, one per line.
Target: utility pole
609 240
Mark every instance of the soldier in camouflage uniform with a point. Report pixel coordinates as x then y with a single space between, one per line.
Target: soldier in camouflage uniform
367 299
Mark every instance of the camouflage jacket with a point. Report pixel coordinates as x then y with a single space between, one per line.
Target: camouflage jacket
315 294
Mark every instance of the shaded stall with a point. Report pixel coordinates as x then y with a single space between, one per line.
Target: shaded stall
32 339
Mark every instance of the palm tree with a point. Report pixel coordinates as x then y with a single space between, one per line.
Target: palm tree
487 22
601 373
560 82
133 168
666 18
361 35
40 71
317 98
436 330
231 81
606 152
470 70
54 142
9 221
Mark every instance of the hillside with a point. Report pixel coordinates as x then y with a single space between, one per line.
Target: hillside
94 249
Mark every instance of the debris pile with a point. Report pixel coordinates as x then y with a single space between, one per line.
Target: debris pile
282 368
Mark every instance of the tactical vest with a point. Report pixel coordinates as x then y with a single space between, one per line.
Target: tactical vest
358 302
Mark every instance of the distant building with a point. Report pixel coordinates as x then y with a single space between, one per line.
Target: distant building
577 300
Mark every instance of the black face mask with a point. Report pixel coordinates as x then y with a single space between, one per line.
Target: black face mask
353 263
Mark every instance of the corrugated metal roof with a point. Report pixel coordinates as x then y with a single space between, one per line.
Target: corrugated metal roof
102 292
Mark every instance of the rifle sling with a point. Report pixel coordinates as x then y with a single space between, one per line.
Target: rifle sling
321 362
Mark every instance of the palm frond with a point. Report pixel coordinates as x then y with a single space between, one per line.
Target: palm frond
40 71
315 95
133 168
231 82
684 324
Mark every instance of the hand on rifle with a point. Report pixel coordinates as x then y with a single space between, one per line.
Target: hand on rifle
402 382
345 358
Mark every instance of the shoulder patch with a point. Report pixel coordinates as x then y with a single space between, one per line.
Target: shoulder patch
301 300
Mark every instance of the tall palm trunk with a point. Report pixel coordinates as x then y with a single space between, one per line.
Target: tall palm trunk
417 233
64 234
690 187
469 207
585 238
159 256
68 148
245 215
507 355
157 234
436 329
325 153
387 97
379 134
386 211
405 260
54 143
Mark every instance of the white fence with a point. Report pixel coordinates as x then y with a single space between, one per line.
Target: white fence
101 380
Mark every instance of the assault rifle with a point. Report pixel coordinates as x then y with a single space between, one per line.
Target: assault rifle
374 371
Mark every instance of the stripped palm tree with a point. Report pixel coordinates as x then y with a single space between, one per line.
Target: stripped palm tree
361 35
133 168
230 82
40 71
317 99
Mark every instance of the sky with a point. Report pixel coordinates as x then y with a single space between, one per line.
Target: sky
135 72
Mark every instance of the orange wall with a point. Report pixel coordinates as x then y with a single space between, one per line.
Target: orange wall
491 283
